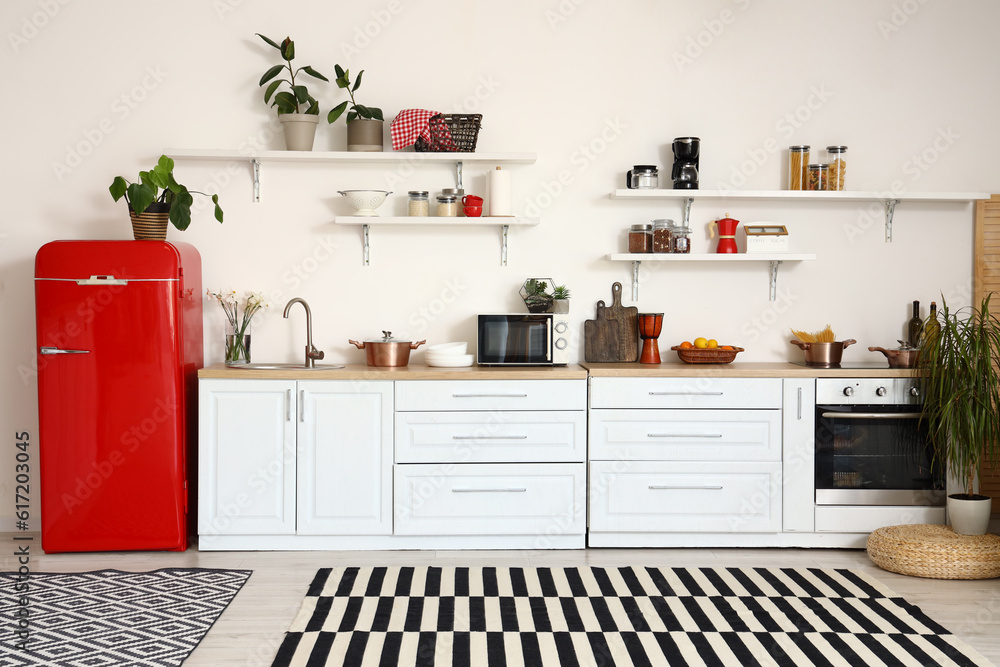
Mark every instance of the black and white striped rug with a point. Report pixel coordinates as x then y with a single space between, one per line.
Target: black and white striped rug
111 618
613 616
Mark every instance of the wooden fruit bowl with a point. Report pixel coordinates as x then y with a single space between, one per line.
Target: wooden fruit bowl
693 355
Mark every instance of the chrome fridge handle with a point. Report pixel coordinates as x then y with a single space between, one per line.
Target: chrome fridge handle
56 350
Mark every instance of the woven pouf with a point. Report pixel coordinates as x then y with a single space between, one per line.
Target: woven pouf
935 552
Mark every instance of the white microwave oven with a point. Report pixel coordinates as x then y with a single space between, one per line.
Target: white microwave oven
523 339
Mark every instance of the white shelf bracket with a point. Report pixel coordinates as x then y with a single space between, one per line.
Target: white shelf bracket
458 177
774 280
890 208
368 249
635 281
687 211
504 229
255 164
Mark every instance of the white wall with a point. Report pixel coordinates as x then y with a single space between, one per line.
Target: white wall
592 86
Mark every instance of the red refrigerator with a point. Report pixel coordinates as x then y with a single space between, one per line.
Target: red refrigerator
119 334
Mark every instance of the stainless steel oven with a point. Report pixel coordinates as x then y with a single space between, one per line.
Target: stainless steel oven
871 447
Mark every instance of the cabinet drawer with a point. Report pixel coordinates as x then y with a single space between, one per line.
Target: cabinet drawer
441 395
490 499
700 392
641 496
685 435
491 437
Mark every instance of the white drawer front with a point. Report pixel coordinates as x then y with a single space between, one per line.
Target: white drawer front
700 392
685 435
640 496
441 395
491 437
490 499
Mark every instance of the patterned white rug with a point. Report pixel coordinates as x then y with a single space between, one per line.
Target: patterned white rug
486 616
105 618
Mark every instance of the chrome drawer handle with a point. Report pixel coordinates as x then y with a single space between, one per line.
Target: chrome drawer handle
489 395
871 415
488 490
685 393
489 437
56 350
684 435
653 487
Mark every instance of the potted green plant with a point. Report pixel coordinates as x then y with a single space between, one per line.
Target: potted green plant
960 387
364 124
298 110
156 198
533 293
560 299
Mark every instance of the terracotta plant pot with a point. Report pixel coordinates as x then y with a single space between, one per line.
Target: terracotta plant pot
151 224
300 130
364 135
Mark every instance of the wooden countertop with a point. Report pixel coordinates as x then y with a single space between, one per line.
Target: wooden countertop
743 370
411 372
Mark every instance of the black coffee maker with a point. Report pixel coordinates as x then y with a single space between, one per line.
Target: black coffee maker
685 169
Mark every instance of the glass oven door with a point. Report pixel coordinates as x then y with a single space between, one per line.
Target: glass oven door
874 455
518 339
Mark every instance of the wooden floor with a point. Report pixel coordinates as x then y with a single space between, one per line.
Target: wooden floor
250 630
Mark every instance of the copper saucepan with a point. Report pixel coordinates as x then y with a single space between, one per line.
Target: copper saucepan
387 351
904 356
823 354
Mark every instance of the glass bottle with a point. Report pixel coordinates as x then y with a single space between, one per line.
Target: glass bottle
798 164
915 326
932 328
837 167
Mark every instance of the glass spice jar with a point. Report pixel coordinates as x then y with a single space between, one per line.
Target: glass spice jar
418 205
661 235
640 238
837 167
817 177
447 206
680 239
798 162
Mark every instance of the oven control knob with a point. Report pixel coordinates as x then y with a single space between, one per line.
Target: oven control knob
880 391
914 391
848 391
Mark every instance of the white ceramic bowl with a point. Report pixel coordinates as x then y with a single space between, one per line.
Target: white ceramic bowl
448 348
452 361
365 201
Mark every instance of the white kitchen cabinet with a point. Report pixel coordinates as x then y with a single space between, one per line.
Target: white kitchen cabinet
344 466
246 458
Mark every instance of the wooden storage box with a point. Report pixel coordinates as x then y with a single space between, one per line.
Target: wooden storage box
765 238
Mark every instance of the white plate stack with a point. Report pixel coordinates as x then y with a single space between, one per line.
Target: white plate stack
448 355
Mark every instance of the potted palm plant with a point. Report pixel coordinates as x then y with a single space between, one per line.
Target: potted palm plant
364 123
960 386
157 198
298 110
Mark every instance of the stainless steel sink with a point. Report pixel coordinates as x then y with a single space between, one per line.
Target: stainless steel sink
286 367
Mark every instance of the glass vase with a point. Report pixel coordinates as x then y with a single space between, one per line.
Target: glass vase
238 346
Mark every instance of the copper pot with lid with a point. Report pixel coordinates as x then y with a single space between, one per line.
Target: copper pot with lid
823 354
387 351
904 356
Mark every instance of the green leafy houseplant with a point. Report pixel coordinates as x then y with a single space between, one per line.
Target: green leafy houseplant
288 101
535 298
960 387
158 186
560 292
357 110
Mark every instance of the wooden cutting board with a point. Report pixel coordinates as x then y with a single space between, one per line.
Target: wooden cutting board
614 335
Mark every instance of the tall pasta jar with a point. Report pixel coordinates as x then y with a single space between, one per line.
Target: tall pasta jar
837 167
798 163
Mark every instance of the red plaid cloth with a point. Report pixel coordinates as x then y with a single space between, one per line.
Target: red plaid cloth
409 125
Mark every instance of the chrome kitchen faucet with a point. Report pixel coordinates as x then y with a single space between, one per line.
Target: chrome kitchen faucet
312 354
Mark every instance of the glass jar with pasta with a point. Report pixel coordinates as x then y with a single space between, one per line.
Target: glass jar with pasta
837 168
817 177
798 161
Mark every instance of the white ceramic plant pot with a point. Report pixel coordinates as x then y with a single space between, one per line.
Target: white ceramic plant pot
969 517
364 135
300 130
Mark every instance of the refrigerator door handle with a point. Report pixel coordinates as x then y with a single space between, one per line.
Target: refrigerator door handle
56 350
102 280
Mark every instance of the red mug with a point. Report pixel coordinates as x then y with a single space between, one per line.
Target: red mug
472 200
473 211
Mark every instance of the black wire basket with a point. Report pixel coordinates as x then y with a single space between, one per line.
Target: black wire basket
451 133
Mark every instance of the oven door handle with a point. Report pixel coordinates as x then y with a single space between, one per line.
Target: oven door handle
870 415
